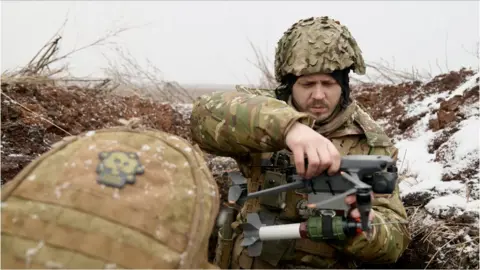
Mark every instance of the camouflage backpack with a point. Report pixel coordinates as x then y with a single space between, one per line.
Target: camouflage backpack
113 198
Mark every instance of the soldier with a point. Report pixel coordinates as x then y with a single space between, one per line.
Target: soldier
113 198
309 115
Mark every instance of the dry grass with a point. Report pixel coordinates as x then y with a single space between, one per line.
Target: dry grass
441 244
41 70
265 67
49 66
127 77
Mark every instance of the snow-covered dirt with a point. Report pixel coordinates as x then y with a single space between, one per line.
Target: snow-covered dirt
455 158
436 129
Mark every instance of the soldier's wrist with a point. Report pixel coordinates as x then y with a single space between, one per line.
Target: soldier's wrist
301 119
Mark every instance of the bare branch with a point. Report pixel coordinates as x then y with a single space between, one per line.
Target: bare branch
446 54
54 37
476 52
263 64
130 76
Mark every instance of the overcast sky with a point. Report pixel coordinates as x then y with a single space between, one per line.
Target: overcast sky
208 42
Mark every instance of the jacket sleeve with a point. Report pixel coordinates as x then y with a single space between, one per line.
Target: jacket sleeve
390 240
235 123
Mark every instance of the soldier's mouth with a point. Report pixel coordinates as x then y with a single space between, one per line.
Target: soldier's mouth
318 109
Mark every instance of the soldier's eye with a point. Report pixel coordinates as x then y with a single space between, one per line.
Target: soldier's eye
117 160
308 84
329 83
125 164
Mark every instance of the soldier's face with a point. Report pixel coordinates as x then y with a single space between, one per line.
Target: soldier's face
316 94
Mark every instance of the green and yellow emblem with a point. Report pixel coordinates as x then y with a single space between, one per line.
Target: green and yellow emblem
117 168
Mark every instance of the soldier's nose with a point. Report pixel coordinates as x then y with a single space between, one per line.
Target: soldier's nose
318 93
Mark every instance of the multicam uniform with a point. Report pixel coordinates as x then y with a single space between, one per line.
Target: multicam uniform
113 198
250 125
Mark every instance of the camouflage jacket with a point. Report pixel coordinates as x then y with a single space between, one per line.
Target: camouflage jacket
249 126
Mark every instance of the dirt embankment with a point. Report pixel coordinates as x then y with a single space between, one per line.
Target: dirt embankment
437 130
35 116
388 102
391 105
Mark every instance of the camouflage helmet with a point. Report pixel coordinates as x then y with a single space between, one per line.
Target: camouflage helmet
318 44
111 198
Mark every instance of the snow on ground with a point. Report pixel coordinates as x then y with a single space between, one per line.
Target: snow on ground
451 204
435 126
429 103
464 150
460 152
466 86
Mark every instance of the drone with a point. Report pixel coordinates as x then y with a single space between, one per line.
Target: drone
358 174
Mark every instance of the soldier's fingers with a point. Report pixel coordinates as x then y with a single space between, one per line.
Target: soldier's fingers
336 159
356 214
299 158
350 199
318 171
313 162
325 159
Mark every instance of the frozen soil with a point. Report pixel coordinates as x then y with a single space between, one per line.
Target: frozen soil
36 116
435 126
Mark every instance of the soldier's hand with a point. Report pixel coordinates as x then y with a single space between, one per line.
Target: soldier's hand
320 152
351 200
